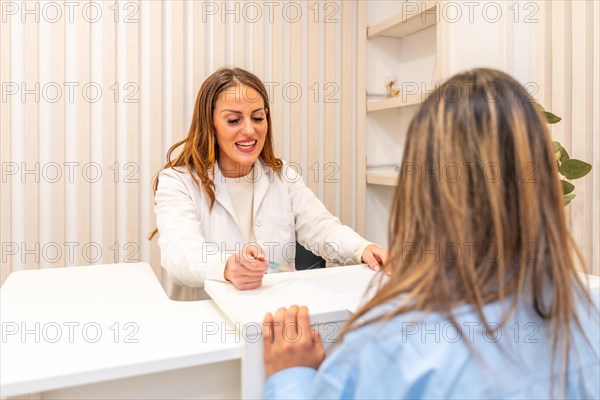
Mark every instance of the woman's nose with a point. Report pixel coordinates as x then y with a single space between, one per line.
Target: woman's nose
247 126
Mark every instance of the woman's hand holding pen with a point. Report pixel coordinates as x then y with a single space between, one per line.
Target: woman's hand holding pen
246 268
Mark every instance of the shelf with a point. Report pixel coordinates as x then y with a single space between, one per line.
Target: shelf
408 21
394 102
384 177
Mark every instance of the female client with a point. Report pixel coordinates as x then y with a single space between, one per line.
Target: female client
481 297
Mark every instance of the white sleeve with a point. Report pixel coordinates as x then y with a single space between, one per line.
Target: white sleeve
183 248
316 228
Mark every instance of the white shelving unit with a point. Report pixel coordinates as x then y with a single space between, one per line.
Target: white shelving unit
411 19
384 177
394 102
406 42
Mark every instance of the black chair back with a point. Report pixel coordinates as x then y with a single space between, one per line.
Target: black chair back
306 259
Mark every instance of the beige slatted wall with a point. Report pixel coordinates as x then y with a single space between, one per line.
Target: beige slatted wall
361 118
109 138
313 109
149 58
595 260
31 247
57 137
6 237
82 231
328 86
347 124
567 65
155 91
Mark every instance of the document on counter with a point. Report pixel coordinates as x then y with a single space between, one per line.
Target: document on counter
351 284
331 294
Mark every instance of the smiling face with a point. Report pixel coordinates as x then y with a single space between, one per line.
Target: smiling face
240 121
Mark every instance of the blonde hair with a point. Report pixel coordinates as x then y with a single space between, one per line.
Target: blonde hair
479 179
200 150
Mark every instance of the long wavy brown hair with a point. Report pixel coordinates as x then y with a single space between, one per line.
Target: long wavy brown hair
479 187
200 149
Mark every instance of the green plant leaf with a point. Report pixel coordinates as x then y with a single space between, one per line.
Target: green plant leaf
551 118
564 156
567 186
560 152
568 197
574 169
557 146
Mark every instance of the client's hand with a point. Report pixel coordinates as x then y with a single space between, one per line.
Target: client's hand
289 341
374 256
246 268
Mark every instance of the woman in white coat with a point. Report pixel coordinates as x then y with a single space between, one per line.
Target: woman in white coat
226 206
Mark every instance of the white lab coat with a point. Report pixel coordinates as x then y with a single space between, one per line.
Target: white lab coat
196 241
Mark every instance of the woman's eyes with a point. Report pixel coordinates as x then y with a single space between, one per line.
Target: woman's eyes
237 120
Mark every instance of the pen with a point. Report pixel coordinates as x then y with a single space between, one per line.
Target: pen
280 267
277 266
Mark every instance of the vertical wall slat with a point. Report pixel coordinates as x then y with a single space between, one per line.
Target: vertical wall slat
291 97
543 54
57 217
109 136
558 65
177 58
258 39
361 120
131 169
587 15
330 112
218 40
560 70
5 155
442 56
579 94
595 30
347 165
156 118
238 34
312 109
199 39
31 249
276 83
83 142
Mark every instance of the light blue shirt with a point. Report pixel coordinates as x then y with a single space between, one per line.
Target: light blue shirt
425 356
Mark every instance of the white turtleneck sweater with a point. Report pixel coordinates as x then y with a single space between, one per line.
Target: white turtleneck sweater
241 191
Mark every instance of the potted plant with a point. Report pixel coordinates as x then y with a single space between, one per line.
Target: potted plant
569 168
